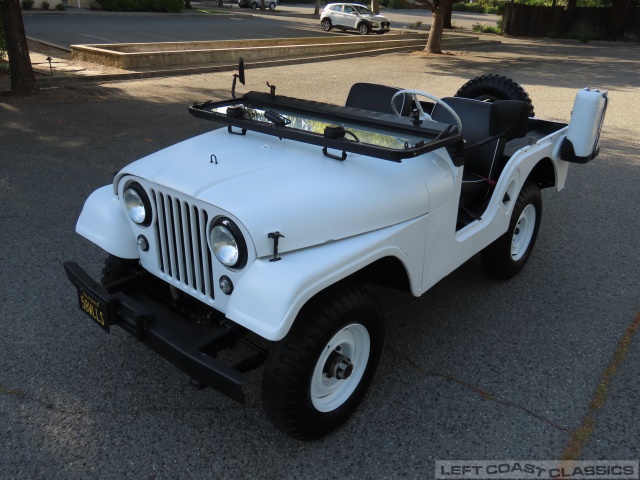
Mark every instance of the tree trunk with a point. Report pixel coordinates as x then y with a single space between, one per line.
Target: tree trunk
570 15
187 4
317 10
23 80
447 16
262 5
438 8
375 6
619 14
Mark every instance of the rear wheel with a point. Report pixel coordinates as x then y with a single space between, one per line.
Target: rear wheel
493 87
326 24
254 6
272 6
316 377
505 257
363 28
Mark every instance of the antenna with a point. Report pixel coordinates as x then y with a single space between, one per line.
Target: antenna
238 76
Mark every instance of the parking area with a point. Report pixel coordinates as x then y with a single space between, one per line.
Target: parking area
474 369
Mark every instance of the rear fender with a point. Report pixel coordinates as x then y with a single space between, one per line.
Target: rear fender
104 222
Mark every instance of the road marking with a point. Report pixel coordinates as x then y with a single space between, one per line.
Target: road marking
99 38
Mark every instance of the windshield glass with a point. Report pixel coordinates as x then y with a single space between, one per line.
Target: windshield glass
309 123
363 10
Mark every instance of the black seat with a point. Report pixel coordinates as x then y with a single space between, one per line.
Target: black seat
485 129
371 96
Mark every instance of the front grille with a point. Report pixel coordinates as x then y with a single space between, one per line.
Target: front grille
385 24
183 253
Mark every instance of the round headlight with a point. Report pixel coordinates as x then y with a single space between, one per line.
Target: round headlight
135 205
228 244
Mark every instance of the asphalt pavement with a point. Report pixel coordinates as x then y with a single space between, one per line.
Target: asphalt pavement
474 369
77 26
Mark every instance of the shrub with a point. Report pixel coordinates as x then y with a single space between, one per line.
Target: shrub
27 4
459 7
93 6
484 28
142 5
60 7
3 47
397 5
45 5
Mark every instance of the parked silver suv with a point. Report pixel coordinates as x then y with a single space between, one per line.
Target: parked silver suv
352 16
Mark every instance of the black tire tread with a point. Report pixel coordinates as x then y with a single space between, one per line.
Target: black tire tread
286 372
499 86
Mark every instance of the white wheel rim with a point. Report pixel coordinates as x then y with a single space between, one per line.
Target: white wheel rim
523 232
353 342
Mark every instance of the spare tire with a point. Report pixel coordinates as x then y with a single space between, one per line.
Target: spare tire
491 87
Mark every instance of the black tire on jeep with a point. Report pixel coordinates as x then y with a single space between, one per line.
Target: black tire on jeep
505 257
116 268
491 87
316 376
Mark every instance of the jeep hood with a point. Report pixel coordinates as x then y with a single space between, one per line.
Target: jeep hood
272 185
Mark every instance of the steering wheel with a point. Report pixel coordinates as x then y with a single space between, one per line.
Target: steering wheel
414 94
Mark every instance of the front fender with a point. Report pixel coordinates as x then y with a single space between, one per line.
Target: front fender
104 222
269 295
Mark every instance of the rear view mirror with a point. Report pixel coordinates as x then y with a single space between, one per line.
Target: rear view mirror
241 70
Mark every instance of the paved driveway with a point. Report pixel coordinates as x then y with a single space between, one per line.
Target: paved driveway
73 29
474 369
81 26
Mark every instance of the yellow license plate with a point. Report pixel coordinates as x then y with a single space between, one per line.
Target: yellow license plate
96 308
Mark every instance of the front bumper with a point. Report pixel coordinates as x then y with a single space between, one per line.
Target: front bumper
179 340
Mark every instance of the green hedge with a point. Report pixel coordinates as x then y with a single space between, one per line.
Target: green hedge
142 5
3 46
480 6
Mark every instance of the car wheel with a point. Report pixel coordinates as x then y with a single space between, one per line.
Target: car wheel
326 24
491 87
254 6
316 376
363 28
116 268
505 257
272 6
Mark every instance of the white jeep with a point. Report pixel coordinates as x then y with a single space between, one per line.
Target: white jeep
263 232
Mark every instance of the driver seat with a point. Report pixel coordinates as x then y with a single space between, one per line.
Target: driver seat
371 96
486 127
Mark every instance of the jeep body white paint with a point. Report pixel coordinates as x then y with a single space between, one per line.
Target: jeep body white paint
265 230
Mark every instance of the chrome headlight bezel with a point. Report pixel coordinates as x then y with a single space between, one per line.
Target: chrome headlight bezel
228 244
134 198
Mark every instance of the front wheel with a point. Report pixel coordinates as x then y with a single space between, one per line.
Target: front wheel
363 28
505 257
315 377
272 6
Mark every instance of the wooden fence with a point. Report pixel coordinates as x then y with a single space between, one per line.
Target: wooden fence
533 21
